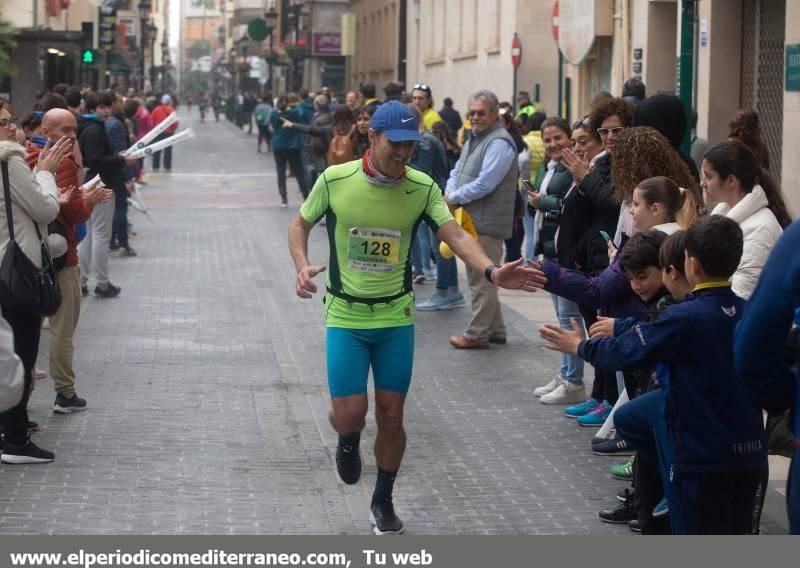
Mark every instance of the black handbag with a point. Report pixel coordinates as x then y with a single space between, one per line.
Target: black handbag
24 287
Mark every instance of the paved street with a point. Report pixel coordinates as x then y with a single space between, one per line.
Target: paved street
208 400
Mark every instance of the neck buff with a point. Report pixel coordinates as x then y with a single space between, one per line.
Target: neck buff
39 140
376 177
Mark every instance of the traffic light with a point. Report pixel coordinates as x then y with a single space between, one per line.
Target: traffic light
107 25
88 57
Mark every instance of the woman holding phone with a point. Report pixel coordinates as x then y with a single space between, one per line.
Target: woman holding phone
553 182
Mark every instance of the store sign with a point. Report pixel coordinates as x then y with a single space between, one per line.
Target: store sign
576 28
323 43
793 67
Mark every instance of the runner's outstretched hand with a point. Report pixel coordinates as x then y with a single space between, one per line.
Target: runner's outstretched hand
304 286
514 276
562 340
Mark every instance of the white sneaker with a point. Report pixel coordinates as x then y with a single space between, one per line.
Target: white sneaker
549 387
565 393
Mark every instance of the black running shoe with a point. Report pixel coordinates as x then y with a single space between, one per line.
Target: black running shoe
109 291
64 405
621 514
348 462
616 446
383 518
635 526
27 453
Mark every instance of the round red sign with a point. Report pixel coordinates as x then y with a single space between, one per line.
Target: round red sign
555 21
516 51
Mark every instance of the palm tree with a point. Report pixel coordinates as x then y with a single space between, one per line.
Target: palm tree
7 45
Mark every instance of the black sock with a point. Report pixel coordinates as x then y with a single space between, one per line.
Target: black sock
352 439
384 485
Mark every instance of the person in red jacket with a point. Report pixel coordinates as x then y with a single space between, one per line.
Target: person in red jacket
159 114
76 207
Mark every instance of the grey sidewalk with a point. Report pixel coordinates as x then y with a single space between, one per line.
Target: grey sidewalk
208 400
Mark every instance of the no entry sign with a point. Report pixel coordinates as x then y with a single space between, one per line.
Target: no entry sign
516 51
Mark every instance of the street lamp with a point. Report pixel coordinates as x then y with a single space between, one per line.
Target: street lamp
152 31
144 7
271 17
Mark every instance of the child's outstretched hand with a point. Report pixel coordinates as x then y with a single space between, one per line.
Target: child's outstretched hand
604 327
562 340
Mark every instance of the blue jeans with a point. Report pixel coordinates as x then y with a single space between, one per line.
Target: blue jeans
641 423
571 365
446 268
530 234
421 249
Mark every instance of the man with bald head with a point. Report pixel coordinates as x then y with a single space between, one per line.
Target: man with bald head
76 207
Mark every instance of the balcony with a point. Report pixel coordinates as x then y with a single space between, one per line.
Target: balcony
246 10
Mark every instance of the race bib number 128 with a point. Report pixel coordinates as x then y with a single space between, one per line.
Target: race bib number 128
373 250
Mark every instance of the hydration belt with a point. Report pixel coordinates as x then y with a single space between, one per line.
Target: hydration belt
368 301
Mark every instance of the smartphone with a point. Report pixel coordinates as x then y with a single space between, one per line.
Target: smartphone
607 238
527 183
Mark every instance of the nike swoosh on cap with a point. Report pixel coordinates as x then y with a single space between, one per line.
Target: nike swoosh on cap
406 120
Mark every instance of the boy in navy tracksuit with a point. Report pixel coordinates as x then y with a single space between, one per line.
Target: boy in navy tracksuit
760 346
713 422
641 421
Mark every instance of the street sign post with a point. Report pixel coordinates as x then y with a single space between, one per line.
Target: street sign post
555 29
576 28
516 59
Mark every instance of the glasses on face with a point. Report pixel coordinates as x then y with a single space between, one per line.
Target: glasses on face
478 113
6 122
606 131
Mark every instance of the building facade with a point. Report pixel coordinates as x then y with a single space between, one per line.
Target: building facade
378 42
53 39
459 46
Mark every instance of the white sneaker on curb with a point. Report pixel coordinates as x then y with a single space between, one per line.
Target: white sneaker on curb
549 387
565 393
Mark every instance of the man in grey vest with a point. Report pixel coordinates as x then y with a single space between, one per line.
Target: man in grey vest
484 182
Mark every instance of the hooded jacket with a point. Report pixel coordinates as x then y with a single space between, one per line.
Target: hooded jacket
665 113
98 158
34 200
761 231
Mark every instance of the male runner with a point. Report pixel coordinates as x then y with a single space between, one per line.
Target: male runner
373 208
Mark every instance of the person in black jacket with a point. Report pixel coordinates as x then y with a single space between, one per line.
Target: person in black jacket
99 158
450 116
119 138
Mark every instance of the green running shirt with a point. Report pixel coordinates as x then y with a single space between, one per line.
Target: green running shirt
370 230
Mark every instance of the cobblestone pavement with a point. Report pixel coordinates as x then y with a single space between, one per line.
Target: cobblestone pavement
208 401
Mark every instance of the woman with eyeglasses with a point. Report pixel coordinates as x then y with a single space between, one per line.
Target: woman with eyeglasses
582 245
34 204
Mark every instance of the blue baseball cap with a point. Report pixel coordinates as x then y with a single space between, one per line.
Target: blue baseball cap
397 122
